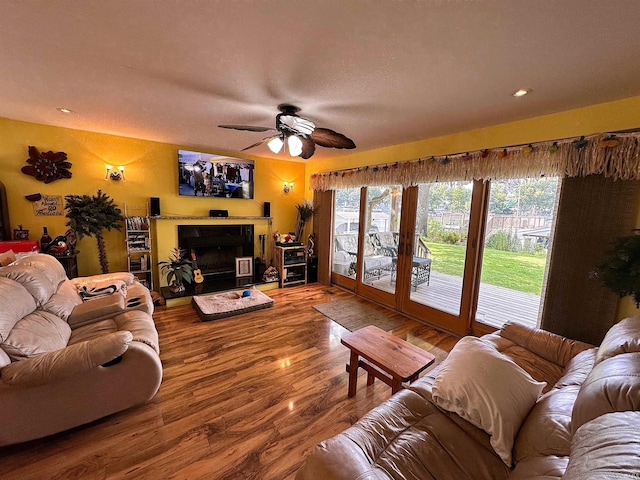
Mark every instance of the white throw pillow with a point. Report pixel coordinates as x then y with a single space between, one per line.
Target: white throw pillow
488 390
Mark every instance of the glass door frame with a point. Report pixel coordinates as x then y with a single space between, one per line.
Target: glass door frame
357 284
475 327
390 299
343 281
461 323
464 323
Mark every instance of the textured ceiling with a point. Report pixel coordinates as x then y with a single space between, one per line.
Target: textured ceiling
382 72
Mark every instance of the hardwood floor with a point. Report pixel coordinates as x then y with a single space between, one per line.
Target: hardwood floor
243 397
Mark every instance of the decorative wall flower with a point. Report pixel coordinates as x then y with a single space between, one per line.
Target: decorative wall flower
47 166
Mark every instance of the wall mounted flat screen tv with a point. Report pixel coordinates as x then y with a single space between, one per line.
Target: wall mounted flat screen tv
208 175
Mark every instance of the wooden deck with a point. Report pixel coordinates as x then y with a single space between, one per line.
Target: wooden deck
496 305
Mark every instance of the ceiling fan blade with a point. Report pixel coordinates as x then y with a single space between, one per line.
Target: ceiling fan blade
249 128
328 138
257 144
308 147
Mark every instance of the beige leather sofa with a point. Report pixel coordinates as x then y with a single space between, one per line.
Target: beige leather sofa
65 362
584 423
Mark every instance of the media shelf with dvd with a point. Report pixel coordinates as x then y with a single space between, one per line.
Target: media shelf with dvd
294 256
291 263
139 253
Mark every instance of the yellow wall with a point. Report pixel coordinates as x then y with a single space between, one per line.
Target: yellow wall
151 171
606 117
612 116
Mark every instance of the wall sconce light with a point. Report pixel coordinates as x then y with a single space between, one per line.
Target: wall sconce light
115 175
288 187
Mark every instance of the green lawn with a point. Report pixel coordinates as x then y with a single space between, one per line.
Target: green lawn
514 270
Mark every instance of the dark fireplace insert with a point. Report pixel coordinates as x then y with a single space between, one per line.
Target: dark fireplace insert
216 247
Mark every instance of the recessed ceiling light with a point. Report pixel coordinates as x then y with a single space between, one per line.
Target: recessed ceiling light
521 92
64 110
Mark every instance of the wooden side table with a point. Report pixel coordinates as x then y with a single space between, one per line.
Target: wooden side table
70 264
383 356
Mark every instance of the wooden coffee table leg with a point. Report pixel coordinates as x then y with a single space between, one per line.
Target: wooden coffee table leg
396 385
353 374
370 378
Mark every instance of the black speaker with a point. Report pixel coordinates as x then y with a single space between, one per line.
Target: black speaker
218 213
267 209
155 206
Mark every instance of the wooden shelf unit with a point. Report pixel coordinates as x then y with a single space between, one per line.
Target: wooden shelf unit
139 253
291 263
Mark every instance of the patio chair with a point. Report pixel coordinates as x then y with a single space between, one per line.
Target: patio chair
388 242
421 264
378 260
346 248
376 263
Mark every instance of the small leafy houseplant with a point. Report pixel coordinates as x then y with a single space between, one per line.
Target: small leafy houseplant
177 269
621 270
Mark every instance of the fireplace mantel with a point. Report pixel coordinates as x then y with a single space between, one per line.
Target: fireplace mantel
165 234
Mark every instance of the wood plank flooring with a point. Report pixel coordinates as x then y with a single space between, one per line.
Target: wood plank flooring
244 397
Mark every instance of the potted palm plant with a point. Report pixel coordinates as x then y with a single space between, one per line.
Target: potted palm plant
620 272
177 269
90 216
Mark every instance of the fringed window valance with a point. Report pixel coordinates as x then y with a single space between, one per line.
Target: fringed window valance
614 156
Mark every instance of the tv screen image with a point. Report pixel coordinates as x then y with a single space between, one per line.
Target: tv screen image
208 175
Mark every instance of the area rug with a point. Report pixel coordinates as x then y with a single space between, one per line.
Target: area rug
353 315
227 304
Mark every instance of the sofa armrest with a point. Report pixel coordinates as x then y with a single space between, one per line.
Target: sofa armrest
96 309
141 326
35 412
551 347
53 366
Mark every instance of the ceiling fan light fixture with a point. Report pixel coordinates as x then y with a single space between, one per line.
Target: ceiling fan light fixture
275 144
295 145
296 134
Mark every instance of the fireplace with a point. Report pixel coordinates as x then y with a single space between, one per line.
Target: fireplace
216 247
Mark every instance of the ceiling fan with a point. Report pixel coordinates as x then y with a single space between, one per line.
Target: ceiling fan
298 134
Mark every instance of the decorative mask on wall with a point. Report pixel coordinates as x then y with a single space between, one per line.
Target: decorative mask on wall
47 166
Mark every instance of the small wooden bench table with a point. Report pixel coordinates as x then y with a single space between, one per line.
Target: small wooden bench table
383 356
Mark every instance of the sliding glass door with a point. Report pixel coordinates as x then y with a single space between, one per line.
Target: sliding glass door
382 214
459 255
346 224
517 242
434 270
